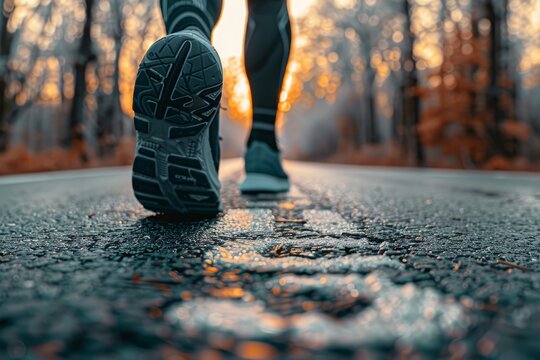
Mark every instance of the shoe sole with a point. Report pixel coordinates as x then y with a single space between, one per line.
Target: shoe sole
177 96
262 183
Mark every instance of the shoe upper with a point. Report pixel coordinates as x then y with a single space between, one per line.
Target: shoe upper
260 158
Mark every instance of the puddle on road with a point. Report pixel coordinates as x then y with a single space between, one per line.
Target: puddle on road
240 319
250 222
263 256
388 313
405 314
326 286
328 223
255 222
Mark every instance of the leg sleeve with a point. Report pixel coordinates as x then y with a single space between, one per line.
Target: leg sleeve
266 54
191 14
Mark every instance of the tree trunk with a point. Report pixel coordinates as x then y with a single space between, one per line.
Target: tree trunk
85 56
372 131
411 103
494 89
5 47
110 127
396 114
512 74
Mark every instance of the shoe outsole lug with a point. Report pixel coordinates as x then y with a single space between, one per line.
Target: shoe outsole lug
186 162
179 132
155 201
147 152
200 178
146 187
177 94
144 166
142 125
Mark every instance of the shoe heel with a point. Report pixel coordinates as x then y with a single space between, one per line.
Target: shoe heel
190 183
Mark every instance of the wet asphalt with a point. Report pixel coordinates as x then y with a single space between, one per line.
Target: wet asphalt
352 263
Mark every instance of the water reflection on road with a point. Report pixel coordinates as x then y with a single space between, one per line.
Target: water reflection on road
314 282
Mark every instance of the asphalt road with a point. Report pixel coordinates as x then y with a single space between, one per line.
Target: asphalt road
354 262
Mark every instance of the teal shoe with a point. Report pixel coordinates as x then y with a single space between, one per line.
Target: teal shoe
264 172
176 103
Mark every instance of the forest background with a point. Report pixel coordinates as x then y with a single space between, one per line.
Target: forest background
427 83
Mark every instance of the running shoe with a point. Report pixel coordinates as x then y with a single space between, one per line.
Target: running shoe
264 172
176 103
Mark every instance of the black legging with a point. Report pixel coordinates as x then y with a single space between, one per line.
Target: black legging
266 51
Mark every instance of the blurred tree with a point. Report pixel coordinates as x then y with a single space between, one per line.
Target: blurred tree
83 58
470 114
6 7
494 90
447 79
411 98
355 43
365 20
109 109
26 72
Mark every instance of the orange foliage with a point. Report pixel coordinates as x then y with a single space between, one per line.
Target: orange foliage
459 120
499 163
516 130
18 159
236 92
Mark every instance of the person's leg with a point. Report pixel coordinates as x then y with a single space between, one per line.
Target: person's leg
201 15
266 54
176 103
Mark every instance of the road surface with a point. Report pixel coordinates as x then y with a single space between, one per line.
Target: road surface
354 262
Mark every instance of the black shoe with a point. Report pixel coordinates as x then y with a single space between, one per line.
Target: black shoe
176 104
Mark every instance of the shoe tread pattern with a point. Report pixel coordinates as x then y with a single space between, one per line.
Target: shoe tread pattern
179 83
